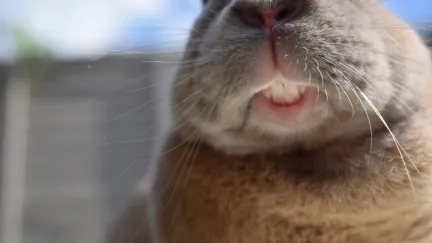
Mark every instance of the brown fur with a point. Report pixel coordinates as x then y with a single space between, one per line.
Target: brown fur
316 197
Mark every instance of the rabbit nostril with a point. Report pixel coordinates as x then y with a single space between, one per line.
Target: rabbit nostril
258 17
286 13
250 17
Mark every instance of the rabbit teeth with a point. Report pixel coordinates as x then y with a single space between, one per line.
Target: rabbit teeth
283 92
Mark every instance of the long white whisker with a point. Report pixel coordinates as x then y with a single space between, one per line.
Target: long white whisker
362 104
397 143
399 146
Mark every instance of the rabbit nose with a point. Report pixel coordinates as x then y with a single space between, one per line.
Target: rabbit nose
257 16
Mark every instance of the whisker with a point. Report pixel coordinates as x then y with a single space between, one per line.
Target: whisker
360 49
184 160
403 103
367 78
194 157
129 142
336 86
142 106
181 79
191 158
398 145
364 108
184 141
141 89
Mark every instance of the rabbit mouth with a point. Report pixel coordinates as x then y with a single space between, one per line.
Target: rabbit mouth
285 101
286 109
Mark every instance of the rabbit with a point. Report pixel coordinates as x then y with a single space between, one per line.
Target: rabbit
295 121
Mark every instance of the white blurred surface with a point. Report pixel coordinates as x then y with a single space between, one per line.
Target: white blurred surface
86 28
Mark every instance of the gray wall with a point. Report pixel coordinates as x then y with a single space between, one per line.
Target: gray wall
91 137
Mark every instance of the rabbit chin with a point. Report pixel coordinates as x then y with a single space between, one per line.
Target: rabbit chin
269 127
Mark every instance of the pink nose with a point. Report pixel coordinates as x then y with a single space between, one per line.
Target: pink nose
270 18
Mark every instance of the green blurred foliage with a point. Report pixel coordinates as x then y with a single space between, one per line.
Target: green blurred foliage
33 57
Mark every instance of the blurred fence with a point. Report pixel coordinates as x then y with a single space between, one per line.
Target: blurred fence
91 132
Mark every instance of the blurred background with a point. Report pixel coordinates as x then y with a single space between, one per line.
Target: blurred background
84 88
